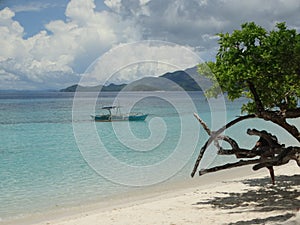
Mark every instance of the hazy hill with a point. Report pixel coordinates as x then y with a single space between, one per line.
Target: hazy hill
110 87
187 80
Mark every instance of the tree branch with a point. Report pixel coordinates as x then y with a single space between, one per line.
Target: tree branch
204 125
281 121
271 139
216 134
278 117
291 113
267 148
259 106
284 157
229 166
287 154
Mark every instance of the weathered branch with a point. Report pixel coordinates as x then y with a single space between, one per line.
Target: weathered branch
234 145
278 119
287 154
267 148
239 153
235 149
271 139
229 166
214 135
204 125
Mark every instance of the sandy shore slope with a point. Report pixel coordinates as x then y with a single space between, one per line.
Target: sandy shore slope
240 200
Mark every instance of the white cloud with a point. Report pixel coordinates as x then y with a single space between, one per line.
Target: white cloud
115 5
81 11
7 23
32 7
65 49
184 22
6 76
128 62
11 42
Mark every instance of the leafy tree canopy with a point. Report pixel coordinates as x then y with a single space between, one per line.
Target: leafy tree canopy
259 64
265 67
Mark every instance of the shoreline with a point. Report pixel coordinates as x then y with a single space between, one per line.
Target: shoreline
133 196
153 204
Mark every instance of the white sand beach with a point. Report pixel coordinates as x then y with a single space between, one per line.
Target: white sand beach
236 196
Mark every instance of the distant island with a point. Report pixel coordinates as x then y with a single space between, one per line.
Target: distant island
178 81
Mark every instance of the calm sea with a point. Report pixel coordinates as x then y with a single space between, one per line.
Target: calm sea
52 155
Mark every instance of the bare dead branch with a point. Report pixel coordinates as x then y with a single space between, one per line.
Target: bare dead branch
204 125
290 153
234 145
269 151
239 153
271 139
287 154
216 134
228 166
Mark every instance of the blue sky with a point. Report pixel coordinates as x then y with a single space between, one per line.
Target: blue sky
49 44
33 15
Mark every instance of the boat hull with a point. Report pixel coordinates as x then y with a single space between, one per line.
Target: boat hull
111 118
141 117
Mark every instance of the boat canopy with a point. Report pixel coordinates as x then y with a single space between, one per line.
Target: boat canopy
118 116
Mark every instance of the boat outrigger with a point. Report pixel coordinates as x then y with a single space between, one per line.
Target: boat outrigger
114 114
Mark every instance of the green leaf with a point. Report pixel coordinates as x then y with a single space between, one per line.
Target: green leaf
270 60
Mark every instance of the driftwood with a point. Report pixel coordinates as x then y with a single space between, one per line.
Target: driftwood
267 151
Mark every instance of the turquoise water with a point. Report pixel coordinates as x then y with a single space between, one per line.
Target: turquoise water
44 165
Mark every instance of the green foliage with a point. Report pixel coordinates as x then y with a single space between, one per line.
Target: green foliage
270 61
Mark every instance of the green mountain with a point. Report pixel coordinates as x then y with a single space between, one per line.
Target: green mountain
187 80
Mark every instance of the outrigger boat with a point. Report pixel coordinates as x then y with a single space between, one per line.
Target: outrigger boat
114 114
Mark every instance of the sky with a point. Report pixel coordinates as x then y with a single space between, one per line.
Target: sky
50 44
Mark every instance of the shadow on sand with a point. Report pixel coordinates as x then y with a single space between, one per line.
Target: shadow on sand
260 196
